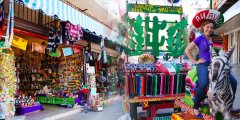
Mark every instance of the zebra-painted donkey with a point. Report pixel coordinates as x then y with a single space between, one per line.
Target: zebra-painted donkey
220 93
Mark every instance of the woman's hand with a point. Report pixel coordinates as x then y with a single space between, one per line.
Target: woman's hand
202 60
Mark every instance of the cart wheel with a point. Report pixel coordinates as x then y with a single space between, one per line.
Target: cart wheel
133 111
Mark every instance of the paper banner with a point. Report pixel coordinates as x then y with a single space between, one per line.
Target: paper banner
39 48
55 54
19 42
76 49
67 51
93 91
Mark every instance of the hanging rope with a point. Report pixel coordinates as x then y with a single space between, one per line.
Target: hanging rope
10 25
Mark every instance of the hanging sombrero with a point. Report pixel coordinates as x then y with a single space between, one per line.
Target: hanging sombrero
173 1
208 14
192 35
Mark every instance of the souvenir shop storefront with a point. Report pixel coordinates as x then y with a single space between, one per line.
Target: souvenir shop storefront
50 69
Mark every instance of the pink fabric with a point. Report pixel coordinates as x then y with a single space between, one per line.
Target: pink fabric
74 30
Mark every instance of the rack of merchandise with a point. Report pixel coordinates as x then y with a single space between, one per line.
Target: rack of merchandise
29 73
7 83
65 82
152 89
70 73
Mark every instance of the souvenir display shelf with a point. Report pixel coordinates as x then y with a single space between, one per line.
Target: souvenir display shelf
148 100
70 74
30 72
8 81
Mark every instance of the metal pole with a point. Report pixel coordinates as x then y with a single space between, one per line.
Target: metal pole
210 4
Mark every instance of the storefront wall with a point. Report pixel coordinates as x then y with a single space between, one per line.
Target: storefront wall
231 29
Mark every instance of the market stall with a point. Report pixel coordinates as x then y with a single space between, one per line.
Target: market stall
154 70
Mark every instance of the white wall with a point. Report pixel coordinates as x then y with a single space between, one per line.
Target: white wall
235 39
232 11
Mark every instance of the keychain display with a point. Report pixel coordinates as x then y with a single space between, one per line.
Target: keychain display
8 85
70 71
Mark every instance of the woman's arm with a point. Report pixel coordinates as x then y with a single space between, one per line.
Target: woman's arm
188 50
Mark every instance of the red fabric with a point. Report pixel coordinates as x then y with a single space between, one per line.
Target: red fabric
74 30
143 84
84 91
160 67
192 36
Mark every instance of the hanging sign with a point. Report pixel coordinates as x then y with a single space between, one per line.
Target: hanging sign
19 42
146 8
208 14
39 48
67 51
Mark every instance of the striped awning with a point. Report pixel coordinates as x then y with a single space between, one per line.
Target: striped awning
66 12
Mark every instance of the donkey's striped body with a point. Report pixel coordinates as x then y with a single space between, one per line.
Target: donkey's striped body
220 94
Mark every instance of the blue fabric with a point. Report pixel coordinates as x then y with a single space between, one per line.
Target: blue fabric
202 83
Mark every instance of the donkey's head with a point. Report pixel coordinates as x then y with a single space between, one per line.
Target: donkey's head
218 71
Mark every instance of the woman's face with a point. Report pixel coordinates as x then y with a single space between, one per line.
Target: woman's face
208 29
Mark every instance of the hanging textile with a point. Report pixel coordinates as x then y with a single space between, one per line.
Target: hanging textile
10 25
67 13
103 53
154 87
1 20
162 84
149 83
158 84
139 84
143 85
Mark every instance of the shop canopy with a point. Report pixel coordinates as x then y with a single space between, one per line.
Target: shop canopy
67 13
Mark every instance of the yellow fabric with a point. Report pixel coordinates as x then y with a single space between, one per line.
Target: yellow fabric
19 42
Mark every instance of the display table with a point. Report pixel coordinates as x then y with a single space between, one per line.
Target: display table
184 116
152 104
24 110
57 100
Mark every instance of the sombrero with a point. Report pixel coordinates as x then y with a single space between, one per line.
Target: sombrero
208 14
173 1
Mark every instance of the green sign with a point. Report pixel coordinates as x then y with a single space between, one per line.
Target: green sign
146 8
56 100
176 38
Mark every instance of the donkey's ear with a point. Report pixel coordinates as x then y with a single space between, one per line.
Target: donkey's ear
229 52
213 53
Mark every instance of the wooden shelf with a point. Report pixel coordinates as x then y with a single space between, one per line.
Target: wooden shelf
29 89
156 98
29 73
148 71
31 81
